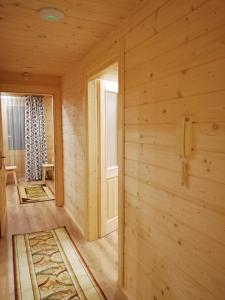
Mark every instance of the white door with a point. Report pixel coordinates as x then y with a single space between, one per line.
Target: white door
2 182
108 106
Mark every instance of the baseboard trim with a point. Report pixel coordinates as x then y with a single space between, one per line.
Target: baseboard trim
123 294
74 221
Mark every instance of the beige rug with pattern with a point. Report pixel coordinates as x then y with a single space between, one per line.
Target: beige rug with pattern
47 265
37 192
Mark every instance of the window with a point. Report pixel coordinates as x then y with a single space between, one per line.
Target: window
16 127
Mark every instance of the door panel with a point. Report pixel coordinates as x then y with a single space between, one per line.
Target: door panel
2 182
108 159
111 128
112 197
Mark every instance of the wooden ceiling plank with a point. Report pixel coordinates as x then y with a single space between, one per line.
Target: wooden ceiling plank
19 45
120 3
8 25
33 38
29 18
107 16
30 43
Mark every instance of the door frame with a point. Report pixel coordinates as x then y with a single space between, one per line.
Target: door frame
55 92
91 180
3 207
105 225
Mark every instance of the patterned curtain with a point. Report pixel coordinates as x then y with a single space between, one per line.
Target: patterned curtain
35 140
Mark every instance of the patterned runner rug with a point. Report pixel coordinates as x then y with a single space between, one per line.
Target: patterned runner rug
47 265
34 193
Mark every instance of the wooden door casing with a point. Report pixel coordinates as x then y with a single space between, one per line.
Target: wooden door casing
108 196
3 215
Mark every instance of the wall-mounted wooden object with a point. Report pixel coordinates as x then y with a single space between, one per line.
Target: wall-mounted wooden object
181 138
184 137
187 136
184 145
184 173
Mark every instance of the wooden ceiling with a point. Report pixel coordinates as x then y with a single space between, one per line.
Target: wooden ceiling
30 44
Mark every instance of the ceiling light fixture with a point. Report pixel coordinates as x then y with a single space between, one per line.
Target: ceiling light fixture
51 14
26 76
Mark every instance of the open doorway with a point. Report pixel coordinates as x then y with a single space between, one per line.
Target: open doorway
28 146
104 165
103 148
108 154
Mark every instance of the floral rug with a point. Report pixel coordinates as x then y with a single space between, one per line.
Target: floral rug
47 265
34 193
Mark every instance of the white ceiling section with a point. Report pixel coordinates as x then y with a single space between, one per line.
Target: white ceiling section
31 44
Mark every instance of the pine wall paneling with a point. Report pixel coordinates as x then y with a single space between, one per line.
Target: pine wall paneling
174 66
48 105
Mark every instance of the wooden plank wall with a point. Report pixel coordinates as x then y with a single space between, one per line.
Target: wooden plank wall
73 147
175 240
174 234
48 105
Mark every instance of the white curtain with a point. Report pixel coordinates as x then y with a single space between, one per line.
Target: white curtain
15 122
13 109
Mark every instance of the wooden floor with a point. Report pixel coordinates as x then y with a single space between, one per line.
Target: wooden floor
100 255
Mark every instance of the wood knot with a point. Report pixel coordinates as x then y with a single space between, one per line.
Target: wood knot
42 36
179 94
155 30
215 126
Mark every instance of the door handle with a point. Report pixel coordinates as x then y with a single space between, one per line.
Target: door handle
3 157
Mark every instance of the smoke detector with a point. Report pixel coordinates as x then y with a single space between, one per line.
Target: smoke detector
51 14
26 76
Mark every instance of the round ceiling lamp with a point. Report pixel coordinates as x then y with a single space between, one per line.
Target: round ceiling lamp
51 14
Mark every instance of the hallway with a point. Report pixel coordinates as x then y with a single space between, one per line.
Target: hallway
156 70
100 255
